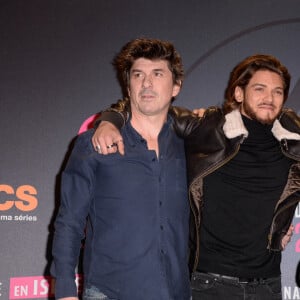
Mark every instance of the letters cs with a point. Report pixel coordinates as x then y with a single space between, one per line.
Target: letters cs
25 197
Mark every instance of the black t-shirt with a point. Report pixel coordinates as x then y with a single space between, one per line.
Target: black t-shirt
239 201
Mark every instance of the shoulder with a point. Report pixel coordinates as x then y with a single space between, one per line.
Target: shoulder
82 155
83 142
177 111
213 112
290 120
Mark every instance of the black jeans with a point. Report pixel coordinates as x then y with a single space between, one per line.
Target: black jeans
206 286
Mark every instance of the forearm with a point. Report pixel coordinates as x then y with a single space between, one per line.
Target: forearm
184 120
117 114
66 251
114 117
77 186
187 123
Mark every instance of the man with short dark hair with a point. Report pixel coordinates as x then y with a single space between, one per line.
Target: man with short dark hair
136 205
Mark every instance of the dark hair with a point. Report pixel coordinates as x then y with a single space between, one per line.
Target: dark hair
148 48
243 72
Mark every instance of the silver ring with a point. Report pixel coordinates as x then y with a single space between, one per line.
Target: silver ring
98 149
111 146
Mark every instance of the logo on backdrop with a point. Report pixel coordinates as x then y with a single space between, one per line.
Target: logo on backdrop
33 287
18 203
297 229
290 293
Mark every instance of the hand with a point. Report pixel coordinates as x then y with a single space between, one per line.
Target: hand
199 112
287 238
69 298
107 139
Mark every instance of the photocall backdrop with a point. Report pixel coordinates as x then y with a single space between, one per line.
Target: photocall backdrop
56 73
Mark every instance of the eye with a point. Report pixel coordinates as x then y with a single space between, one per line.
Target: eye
137 75
279 92
259 88
158 74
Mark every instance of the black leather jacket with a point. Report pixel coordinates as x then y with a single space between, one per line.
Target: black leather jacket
208 148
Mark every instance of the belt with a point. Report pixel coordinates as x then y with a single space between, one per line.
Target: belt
238 279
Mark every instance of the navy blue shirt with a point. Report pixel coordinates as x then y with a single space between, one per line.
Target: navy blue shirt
138 214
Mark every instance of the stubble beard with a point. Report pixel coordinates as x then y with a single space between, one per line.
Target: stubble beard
253 115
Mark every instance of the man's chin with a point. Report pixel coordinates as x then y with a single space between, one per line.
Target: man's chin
266 120
262 115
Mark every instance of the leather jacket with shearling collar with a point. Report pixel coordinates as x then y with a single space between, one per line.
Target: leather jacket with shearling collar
213 140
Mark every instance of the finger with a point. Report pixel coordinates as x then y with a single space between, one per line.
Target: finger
289 234
103 147
97 145
108 147
95 142
291 230
120 146
110 143
284 243
112 148
98 149
286 239
199 112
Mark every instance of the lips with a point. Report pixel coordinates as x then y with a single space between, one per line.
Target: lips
267 106
147 96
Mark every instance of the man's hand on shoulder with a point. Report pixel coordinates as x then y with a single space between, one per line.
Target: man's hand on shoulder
107 139
199 112
287 238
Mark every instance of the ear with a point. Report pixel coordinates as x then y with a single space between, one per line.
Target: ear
176 89
239 94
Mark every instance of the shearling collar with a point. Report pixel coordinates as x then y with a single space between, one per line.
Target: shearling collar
234 127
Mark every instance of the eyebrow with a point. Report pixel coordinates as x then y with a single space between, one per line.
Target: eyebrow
153 70
264 85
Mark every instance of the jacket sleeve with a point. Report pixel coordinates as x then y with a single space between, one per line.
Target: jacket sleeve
76 193
117 114
186 122
282 223
290 120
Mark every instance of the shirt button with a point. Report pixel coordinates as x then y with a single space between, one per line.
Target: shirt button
161 227
160 203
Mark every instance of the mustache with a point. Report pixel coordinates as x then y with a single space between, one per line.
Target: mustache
267 104
147 92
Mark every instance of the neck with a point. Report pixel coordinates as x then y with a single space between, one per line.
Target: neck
148 125
149 128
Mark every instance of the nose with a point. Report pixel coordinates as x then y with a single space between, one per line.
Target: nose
147 82
269 96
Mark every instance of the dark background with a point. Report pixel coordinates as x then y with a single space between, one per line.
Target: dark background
55 72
